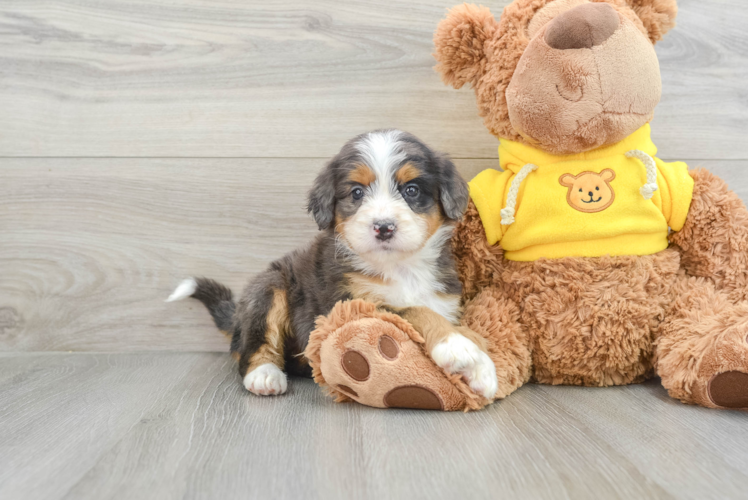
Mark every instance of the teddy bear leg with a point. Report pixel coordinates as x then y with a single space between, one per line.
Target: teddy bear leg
378 359
496 318
701 351
714 241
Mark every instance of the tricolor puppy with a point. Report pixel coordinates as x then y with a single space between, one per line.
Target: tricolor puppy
386 205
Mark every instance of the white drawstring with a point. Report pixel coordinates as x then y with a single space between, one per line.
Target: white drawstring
648 189
507 214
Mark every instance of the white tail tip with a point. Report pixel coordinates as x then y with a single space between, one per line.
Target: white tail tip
185 289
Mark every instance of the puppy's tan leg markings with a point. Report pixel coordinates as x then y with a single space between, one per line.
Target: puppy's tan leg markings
432 326
456 349
264 375
276 332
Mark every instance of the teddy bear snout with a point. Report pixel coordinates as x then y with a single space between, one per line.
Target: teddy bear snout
582 27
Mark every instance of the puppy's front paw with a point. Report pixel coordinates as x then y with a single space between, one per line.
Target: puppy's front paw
266 380
457 354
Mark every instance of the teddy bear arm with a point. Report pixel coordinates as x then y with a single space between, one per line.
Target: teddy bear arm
478 263
713 243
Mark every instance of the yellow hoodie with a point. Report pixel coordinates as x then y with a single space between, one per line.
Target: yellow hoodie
616 200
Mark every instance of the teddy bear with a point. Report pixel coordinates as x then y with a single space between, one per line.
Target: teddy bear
586 260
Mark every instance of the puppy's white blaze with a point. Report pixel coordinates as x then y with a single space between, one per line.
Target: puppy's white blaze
382 153
266 380
458 354
185 289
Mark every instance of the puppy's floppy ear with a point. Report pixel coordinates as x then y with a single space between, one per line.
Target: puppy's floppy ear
453 190
459 41
658 16
322 197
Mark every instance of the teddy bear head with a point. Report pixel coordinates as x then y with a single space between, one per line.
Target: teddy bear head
565 76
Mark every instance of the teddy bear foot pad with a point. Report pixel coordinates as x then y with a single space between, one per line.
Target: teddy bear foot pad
377 359
729 390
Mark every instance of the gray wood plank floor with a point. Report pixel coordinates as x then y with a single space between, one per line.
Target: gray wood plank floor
171 425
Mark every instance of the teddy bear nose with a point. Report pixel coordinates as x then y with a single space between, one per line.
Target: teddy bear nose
582 27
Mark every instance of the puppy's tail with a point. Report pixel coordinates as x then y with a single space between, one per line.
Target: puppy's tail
217 298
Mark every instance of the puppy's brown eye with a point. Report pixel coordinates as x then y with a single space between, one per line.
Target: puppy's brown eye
411 191
357 193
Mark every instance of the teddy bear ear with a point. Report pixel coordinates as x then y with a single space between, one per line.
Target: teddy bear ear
460 41
658 16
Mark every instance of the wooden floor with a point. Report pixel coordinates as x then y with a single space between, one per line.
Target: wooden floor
179 425
143 141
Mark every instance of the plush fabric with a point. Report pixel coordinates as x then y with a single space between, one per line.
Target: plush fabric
717 215
558 215
574 100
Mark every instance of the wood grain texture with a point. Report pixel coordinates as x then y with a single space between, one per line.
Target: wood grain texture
229 78
90 248
168 425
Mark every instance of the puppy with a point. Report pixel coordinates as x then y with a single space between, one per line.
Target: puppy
386 206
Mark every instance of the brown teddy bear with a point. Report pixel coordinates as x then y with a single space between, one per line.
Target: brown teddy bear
587 260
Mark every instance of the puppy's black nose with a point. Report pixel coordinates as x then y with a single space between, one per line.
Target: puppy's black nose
385 229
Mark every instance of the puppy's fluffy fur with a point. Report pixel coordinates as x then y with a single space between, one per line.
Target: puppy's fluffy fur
385 205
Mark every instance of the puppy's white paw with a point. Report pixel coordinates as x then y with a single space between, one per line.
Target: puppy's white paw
458 354
266 380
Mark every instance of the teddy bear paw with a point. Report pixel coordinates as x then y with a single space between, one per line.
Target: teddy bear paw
729 390
458 355
375 362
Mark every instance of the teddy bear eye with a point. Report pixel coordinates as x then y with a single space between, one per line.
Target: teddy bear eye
580 190
597 188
